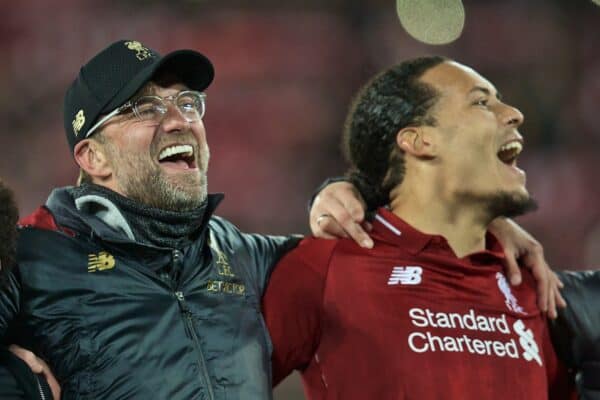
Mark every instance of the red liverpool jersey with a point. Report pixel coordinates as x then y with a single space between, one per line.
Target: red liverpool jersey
408 320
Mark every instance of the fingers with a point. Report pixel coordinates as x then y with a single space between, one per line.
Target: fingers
38 366
557 285
343 193
535 261
541 273
52 382
552 312
541 279
335 216
28 357
329 228
512 269
367 226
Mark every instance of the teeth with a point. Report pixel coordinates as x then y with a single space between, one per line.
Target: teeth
184 149
515 146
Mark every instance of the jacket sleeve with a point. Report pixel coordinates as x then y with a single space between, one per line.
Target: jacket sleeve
9 386
576 332
560 380
293 305
10 297
258 253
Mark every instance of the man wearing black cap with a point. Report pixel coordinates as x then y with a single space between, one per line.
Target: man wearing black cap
127 284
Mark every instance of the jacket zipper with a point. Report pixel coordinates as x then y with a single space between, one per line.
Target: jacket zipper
39 385
190 326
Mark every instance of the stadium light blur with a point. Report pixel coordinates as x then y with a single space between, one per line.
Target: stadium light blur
434 22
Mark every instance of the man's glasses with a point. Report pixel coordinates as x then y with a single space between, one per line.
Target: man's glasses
190 103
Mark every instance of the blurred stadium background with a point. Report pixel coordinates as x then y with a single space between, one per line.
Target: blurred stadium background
286 71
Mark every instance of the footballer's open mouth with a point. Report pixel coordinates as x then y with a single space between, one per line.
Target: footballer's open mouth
179 156
509 152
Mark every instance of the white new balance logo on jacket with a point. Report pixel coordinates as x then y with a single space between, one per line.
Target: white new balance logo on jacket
410 275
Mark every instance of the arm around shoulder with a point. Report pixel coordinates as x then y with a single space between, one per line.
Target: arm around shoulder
293 305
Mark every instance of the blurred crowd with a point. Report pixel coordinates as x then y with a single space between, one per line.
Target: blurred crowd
286 72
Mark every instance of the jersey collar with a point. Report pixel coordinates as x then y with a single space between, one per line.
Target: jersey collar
390 228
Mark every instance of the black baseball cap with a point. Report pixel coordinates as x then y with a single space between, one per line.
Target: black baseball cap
115 74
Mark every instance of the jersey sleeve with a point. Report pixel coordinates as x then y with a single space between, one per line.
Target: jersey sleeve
292 305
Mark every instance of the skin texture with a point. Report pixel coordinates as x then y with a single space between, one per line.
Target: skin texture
457 156
126 159
473 121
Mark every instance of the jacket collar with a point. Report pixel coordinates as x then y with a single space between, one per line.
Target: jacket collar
107 226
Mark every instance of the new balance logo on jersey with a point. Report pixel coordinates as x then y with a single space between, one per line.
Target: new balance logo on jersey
410 275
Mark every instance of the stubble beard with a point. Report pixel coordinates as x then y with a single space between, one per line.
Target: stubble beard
501 204
146 183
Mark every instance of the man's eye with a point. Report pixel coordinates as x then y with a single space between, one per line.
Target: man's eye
189 106
481 102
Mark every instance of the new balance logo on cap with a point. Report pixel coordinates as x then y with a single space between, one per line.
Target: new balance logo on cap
410 275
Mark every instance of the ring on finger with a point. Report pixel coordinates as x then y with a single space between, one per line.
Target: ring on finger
321 217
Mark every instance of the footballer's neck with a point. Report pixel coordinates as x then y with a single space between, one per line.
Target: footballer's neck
431 212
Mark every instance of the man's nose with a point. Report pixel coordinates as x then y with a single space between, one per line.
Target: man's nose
512 116
173 120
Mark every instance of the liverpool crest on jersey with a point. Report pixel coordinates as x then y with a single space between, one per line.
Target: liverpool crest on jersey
510 299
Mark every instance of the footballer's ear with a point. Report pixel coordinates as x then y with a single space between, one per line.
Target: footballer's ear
91 157
416 141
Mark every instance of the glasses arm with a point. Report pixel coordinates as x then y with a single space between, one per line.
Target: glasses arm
106 118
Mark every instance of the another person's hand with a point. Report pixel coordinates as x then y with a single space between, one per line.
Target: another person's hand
339 211
38 366
522 249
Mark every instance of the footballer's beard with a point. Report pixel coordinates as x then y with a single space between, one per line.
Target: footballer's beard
500 204
143 181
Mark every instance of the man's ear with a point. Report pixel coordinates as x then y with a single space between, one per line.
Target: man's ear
91 157
416 141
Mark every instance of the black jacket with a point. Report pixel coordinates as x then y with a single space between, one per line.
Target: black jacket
576 333
18 382
116 319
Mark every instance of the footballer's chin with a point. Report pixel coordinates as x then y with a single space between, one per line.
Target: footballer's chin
511 204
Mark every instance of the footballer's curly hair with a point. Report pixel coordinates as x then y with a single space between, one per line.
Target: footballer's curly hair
392 100
9 215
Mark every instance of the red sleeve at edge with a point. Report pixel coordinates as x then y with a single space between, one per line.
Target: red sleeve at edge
292 305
